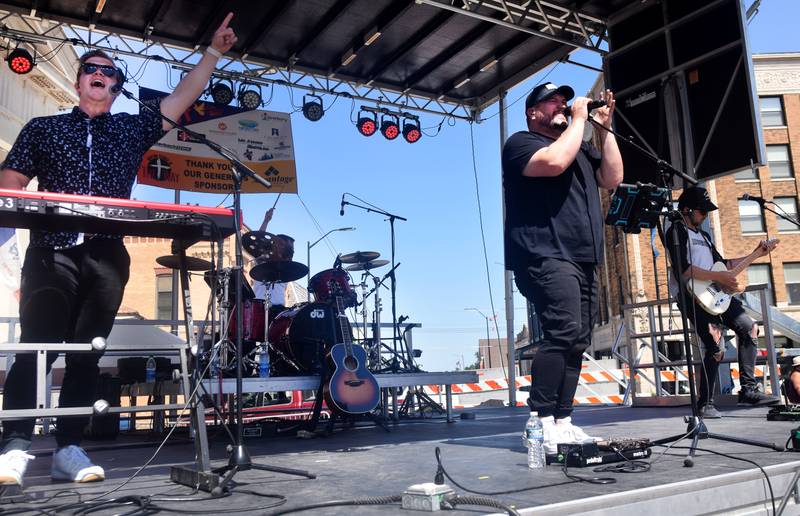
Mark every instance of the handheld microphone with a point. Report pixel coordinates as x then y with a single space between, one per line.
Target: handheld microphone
590 106
341 208
759 200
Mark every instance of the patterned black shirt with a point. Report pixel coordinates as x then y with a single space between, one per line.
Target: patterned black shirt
75 154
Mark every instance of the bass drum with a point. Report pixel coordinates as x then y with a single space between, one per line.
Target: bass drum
301 337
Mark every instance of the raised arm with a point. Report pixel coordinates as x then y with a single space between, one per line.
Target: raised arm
610 173
193 84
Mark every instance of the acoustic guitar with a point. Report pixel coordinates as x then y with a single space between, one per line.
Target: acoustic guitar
352 389
709 295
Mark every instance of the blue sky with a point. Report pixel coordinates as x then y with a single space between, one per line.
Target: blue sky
433 185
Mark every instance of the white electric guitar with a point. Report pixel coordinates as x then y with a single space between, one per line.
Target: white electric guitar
709 295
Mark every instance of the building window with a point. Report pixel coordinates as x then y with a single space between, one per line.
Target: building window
791 274
771 111
164 296
780 165
750 217
748 174
760 275
787 206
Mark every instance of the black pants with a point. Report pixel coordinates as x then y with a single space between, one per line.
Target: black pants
737 320
565 297
66 296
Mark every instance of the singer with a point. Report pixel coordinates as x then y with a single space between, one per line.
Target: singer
554 240
73 283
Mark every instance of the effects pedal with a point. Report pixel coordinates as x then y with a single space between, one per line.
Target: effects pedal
784 413
580 455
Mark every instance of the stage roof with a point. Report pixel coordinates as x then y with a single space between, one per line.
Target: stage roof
440 56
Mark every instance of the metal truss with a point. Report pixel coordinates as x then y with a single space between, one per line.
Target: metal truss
243 70
554 22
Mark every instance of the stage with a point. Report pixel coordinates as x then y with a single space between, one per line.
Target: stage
483 454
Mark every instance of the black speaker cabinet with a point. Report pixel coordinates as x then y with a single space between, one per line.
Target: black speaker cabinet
695 51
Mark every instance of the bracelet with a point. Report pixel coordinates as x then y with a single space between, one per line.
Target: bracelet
214 52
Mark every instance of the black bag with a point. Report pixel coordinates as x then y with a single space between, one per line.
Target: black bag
105 426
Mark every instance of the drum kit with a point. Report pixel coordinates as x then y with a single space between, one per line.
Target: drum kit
297 338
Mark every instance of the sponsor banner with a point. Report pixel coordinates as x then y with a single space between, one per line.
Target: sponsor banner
260 139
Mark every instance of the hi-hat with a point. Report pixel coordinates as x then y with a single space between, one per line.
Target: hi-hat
282 272
365 266
359 257
172 261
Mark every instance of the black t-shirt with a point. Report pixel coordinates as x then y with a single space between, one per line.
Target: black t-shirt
551 217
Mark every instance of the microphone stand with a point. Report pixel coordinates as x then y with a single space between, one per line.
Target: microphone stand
239 456
395 333
696 428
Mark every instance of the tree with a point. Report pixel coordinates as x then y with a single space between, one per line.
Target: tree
477 363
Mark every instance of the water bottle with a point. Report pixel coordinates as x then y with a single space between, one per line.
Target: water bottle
534 434
150 369
263 363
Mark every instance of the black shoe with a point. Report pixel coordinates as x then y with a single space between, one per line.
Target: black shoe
709 411
756 398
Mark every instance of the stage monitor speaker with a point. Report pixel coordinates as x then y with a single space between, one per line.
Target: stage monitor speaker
683 77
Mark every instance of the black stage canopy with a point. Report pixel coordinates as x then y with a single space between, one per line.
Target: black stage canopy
438 56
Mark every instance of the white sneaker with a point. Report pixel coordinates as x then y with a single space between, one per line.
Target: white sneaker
552 435
12 467
71 463
574 434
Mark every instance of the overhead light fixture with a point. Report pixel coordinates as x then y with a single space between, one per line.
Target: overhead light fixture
367 123
411 130
312 109
371 36
390 126
488 64
461 82
221 91
249 96
348 57
20 61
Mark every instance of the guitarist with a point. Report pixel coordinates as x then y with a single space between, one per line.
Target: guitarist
696 256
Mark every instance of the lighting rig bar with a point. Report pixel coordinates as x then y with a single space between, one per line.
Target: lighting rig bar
254 71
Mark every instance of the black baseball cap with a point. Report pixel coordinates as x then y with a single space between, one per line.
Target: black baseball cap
545 91
696 197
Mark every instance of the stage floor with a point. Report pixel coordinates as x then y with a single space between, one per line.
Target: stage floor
483 454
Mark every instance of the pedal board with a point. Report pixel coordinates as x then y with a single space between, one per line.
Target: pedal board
602 452
784 413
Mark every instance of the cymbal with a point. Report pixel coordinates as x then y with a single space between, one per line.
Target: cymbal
365 266
282 272
258 243
359 257
172 261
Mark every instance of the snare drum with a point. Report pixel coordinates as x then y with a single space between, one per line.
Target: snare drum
329 284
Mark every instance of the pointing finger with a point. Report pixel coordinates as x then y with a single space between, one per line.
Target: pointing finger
226 21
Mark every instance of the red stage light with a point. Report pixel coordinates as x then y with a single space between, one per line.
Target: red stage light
411 131
20 61
389 127
366 125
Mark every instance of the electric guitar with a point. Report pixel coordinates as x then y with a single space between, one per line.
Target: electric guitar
709 295
352 389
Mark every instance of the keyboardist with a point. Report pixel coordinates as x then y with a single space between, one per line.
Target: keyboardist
72 284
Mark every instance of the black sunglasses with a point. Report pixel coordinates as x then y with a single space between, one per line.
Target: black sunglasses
90 68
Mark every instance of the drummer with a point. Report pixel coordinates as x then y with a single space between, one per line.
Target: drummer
282 251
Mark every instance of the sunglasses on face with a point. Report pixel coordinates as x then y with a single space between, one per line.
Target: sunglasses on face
90 68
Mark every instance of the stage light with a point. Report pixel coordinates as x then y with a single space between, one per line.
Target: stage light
249 96
390 126
20 61
221 91
367 125
312 109
411 130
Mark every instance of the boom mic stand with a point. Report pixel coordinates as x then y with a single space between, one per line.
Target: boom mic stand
696 428
239 456
395 330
